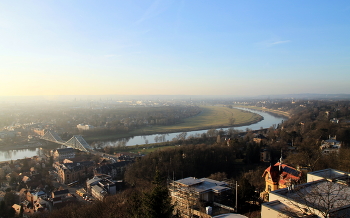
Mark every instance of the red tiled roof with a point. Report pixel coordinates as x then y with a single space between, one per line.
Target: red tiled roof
286 174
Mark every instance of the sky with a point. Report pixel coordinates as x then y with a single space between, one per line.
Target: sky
174 47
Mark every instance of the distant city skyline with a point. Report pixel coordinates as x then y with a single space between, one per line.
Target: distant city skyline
171 47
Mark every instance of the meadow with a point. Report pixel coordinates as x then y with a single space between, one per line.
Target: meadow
210 117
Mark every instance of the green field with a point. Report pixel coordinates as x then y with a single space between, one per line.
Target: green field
210 117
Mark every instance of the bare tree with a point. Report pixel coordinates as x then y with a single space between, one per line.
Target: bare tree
323 198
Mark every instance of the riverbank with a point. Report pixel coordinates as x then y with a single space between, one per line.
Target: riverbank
211 117
20 146
145 149
271 111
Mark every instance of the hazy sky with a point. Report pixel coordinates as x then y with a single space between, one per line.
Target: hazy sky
174 47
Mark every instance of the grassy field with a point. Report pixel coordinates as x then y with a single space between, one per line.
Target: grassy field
283 113
210 117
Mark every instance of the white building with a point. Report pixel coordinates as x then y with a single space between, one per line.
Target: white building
84 127
101 186
326 194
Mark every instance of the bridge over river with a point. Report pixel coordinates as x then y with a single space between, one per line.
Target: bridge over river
76 142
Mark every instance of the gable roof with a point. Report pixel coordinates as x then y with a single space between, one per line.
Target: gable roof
287 173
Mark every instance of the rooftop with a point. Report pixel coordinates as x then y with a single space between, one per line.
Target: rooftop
98 189
319 194
204 184
288 209
329 174
189 181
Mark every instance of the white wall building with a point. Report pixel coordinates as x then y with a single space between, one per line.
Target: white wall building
85 127
326 194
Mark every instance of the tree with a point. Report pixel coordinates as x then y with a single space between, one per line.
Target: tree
10 198
322 198
232 121
156 139
157 203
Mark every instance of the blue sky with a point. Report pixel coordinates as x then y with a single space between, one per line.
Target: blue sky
174 47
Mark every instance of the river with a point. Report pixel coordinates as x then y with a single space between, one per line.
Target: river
268 121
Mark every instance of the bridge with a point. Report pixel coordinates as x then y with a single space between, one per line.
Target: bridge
76 142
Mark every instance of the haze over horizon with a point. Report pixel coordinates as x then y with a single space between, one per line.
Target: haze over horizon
170 47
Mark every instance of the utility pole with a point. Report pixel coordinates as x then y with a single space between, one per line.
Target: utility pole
236 197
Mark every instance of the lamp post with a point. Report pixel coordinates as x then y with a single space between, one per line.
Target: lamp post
236 197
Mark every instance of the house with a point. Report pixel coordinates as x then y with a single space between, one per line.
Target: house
85 127
279 176
17 208
265 155
41 205
258 138
114 170
187 193
326 194
26 179
33 196
62 197
334 120
72 172
22 194
63 153
330 145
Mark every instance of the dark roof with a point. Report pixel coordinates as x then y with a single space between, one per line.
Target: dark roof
108 167
260 136
61 192
291 170
78 165
65 150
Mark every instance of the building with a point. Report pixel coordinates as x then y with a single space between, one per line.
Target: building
334 120
187 195
71 172
326 194
113 170
126 156
63 153
101 186
33 196
280 176
330 145
62 197
265 155
39 131
85 127
258 138
41 205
